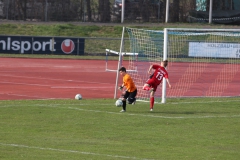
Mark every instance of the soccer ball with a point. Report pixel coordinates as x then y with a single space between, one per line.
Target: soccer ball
78 97
119 103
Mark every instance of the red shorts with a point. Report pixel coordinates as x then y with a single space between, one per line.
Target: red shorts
152 84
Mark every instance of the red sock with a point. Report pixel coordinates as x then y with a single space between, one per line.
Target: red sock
146 88
151 102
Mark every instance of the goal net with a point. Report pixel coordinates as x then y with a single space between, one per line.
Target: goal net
145 48
202 62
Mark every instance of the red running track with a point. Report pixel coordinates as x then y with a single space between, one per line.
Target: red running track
23 78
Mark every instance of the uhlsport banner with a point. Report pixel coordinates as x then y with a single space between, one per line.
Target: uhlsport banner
41 45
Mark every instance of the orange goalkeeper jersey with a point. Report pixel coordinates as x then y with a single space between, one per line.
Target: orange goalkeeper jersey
128 83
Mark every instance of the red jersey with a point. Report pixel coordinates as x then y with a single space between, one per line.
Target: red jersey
158 74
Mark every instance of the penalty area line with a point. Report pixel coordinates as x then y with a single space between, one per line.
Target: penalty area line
71 151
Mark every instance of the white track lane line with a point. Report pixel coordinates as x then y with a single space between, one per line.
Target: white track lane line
53 79
29 96
85 87
50 86
27 84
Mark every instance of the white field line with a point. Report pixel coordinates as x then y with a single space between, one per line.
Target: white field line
154 116
71 151
204 102
126 113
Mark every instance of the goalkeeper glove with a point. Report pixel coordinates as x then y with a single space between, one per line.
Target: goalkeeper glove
120 88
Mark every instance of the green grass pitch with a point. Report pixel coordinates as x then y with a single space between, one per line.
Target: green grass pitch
181 129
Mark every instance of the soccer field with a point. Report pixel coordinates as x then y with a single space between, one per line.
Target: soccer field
194 128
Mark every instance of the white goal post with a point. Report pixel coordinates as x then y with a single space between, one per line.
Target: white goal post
202 62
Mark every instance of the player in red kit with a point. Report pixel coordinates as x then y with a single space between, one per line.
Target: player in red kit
156 79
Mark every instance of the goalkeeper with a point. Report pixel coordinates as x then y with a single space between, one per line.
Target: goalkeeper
131 90
155 79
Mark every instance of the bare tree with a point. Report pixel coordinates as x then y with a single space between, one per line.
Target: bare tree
21 7
176 11
89 10
104 10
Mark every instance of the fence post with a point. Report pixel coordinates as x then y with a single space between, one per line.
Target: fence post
46 7
7 9
167 11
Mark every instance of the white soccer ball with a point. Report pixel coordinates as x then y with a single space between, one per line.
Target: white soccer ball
119 103
78 96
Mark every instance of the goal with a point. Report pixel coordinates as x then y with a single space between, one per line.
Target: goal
202 62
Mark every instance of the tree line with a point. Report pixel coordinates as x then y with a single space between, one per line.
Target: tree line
103 10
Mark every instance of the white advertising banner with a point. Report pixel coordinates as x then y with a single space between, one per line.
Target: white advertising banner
217 50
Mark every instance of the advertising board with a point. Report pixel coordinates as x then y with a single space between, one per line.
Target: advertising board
41 45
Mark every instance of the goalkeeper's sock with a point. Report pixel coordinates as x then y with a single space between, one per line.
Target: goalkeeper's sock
124 105
151 102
